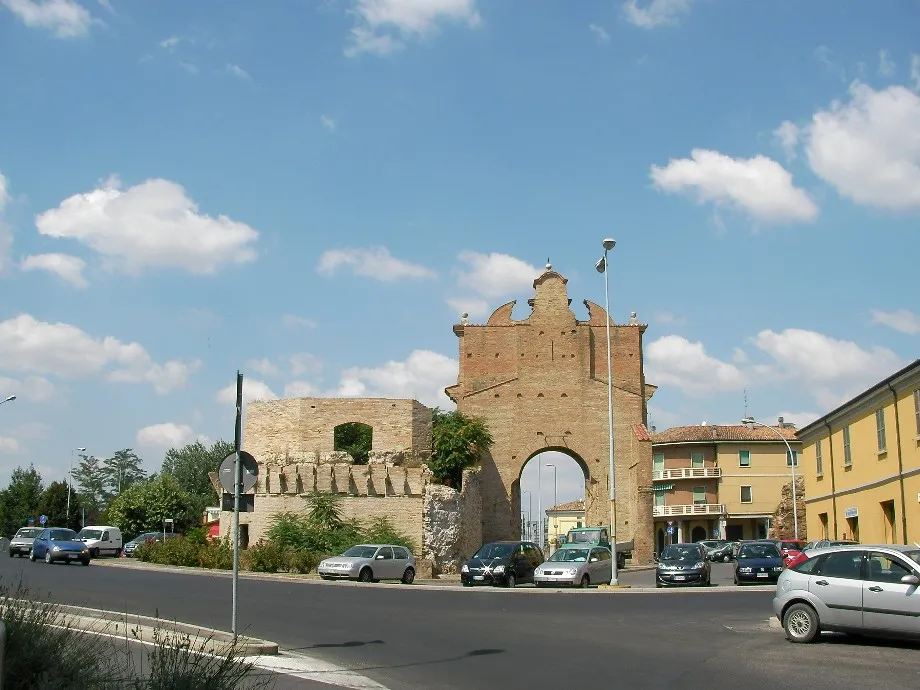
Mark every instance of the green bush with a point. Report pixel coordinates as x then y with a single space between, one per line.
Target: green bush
216 554
300 561
267 556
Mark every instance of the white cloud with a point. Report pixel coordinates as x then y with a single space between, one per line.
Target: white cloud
252 390
64 18
868 148
373 262
238 72
171 43
166 435
422 376
675 361
495 274
473 306
327 122
6 234
830 370
8 445
759 186
886 65
151 225
300 389
655 13
667 317
600 33
786 137
189 67
31 388
739 356
262 366
383 26
900 320
67 268
292 321
27 344
915 70
305 363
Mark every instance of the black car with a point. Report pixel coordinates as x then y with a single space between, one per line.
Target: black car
718 549
130 547
502 563
683 564
758 561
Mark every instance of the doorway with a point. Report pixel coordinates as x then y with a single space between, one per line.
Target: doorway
891 535
698 534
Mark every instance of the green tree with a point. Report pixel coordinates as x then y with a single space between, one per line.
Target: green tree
354 438
53 504
190 466
19 501
89 475
122 470
457 442
325 511
144 507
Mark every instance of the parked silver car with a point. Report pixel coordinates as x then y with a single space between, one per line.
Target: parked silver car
370 563
575 565
21 543
858 588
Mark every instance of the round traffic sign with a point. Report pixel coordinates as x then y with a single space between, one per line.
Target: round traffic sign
250 470
42 519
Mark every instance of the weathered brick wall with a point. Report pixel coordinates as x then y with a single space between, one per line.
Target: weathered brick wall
541 384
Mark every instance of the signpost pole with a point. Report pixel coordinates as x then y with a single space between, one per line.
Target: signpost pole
237 482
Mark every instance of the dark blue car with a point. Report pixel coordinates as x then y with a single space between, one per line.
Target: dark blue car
758 561
59 544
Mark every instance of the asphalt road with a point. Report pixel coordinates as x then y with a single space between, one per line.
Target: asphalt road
451 638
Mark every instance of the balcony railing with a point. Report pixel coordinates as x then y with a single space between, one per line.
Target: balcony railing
692 509
687 473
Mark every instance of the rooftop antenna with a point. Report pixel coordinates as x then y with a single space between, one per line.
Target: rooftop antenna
745 404
549 266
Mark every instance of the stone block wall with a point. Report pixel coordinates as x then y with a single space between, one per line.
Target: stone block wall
452 523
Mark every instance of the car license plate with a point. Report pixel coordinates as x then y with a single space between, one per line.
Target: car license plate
763 574
71 556
477 577
679 578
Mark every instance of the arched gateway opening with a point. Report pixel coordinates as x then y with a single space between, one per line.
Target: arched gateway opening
541 385
551 493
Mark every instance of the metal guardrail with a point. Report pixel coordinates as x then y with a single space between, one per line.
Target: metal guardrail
687 473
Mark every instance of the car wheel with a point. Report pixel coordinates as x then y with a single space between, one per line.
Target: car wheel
84 561
585 582
510 581
31 555
408 576
365 575
47 556
801 623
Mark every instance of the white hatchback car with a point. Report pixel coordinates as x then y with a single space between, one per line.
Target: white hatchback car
370 563
858 588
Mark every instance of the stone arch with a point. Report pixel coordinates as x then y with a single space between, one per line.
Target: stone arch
354 438
532 456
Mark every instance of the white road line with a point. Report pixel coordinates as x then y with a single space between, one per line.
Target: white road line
311 668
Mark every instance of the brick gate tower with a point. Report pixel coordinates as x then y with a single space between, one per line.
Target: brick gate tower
541 384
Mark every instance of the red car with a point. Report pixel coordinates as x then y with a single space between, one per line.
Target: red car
791 550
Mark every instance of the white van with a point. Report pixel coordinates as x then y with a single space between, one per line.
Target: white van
101 540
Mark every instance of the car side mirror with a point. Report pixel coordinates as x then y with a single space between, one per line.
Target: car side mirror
910 580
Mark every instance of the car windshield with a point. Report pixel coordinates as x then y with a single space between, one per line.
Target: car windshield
584 537
62 535
144 537
361 552
27 533
914 556
758 551
494 551
791 545
90 534
570 556
680 553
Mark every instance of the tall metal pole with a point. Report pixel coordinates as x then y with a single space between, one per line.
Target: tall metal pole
237 485
612 481
540 505
70 479
792 459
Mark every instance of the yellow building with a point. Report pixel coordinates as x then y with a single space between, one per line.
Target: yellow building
861 464
719 481
561 518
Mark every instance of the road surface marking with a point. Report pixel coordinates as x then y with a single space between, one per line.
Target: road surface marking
311 668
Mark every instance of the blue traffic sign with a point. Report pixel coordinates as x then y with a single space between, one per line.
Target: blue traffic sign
670 529
42 519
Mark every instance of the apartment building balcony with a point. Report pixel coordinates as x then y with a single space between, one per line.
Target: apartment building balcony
686 473
691 509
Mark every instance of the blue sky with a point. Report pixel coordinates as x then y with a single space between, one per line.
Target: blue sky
313 191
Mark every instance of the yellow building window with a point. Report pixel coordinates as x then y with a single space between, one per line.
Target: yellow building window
819 459
747 494
880 429
744 458
847 457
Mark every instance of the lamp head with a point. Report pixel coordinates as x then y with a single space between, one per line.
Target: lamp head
601 265
609 243
9 399
82 450
747 420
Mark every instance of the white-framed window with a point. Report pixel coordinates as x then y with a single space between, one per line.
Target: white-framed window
744 458
747 494
792 458
847 456
880 429
699 495
696 458
819 459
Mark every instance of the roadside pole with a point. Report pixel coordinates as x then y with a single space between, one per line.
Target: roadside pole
237 485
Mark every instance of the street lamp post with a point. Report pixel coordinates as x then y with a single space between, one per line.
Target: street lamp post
555 504
540 505
529 513
792 461
70 478
601 267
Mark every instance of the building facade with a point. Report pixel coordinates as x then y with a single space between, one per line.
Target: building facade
561 518
861 464
719 482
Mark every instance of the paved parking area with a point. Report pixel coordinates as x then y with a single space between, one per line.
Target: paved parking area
722 576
